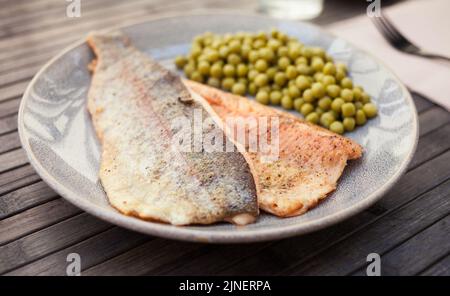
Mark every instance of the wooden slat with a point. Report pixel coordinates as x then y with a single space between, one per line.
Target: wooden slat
8 124
441 268
12 159
421 102
394 228
48 240
432 144
93 251
432 119
16 178
144 259
35 218
10 107
414 255
14 90
25 198
9 141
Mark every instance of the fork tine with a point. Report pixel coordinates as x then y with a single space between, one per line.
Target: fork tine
395 33
384 31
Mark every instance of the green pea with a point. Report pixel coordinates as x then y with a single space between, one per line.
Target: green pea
333 90
365 98
261 80
328 80
298 103
203 67
196 50
258 43
180 61
308 95
274 86
227 83
245 50
318 52
280 78
294 92
261 65
188 69
358 105
360 117
307 52
271 73
349 123
233 59
335 114
337 127
291 72
303 69
213 56
229 70
325 103
262 97
329 69
266 54
339 75
312 117
283 51
215 71
342 67
347 95
287 103
214 82
274 44
318 90
242 70
251 89
235 46
224 51
294 51
238 88
283 63
319 111
317 64
301 61
196 76
336 105
275 97
253 56
318 76
252 75
370 110
348 110
306 109
327 119
357 93
346 83
302 82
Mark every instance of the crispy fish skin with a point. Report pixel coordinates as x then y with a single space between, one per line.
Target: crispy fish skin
311 158
133 102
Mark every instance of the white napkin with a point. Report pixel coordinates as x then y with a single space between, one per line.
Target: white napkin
427 24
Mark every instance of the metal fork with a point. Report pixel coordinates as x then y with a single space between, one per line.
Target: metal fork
400 42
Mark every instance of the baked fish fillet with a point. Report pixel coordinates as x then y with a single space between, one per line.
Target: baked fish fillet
310 161
134 103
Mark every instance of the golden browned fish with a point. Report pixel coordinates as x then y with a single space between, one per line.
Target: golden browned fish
311 159
135 105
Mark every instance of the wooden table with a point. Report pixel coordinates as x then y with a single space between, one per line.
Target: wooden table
409 227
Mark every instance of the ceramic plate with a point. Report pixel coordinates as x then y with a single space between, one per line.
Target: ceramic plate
57 134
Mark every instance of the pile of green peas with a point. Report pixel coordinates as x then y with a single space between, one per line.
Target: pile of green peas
280 70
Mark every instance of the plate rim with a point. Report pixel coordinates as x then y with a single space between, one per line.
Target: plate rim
239 235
